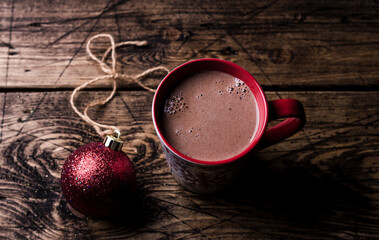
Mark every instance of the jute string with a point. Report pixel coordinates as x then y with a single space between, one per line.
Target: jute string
111 74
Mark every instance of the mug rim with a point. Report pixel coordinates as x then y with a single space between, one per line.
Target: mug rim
258 134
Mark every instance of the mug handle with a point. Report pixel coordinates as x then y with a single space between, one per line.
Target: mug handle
291 109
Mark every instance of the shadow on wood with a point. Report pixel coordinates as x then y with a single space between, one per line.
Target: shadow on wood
302 194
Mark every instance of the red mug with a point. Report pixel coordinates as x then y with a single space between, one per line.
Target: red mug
210 176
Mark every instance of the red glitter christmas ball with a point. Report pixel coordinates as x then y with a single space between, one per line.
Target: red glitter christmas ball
98 181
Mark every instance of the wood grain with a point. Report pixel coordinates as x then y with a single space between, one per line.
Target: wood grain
321 183
282 43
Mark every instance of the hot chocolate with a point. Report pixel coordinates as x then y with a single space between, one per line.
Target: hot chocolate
210 116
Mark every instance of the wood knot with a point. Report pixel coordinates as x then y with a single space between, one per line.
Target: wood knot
229 51
171 34
299 17
279 55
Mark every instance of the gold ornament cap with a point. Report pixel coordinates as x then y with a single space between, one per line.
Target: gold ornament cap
114 142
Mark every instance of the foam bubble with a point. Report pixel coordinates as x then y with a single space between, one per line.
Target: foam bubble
175 104
238 89
238 82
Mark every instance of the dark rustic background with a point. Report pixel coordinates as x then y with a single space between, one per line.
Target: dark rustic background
322 183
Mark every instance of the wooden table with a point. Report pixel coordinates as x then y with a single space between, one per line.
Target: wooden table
322 183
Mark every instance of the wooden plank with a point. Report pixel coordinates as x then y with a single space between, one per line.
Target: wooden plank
282 43
321 183
314 43
5 46
37 27
2 104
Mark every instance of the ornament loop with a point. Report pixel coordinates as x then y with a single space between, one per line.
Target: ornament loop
117 132
113 142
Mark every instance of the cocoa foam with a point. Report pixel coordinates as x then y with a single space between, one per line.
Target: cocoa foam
210 116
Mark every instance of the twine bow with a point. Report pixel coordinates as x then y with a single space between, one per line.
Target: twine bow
111 74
